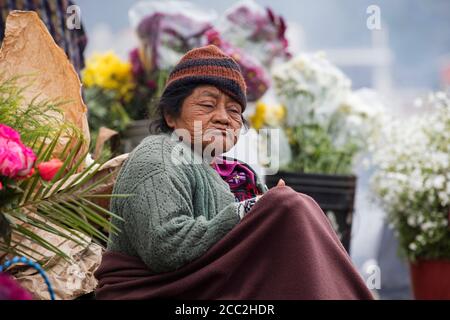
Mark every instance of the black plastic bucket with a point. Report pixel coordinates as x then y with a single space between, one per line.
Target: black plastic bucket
335 194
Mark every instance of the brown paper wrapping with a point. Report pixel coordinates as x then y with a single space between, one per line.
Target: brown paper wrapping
69 280
29 49
104 134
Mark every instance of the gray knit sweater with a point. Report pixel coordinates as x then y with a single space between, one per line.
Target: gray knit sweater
178 209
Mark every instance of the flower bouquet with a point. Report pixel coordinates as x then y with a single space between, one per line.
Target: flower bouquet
324 125
117 92
43 191
108 89
326 122
412 182
258 31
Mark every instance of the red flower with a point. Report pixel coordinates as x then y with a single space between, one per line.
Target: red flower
1 185
48 169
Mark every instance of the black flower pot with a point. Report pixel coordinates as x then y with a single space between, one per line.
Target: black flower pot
335 194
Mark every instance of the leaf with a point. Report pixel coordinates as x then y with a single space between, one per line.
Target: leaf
58 207
5 229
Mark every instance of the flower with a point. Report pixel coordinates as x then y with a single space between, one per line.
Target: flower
16 160
136 64
257 119
412 179
1 186
267 115
275 114
310 83
326 123
108 71
258 31
167 30
48 169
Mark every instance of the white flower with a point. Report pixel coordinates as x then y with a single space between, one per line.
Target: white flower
309 82
444 197
412 246
427 226
411 220
420 219
438 182
421 239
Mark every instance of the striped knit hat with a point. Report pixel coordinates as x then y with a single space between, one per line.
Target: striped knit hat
209 65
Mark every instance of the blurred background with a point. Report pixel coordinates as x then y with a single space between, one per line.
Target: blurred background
357 92
407 57
411 54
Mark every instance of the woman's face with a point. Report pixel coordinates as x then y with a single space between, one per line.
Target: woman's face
212 119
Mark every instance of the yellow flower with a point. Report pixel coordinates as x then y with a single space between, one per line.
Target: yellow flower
267 115
107 71
258 118
275 115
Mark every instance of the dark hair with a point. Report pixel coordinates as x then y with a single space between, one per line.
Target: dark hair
171 103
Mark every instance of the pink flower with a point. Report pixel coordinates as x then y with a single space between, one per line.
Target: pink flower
48 169
16 160
1 186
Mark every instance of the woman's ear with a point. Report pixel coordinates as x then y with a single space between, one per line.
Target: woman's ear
170 121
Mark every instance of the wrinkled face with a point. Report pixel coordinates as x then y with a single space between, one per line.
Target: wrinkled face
212 119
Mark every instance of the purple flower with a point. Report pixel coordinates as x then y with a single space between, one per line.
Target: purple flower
258 30
136 65
165 36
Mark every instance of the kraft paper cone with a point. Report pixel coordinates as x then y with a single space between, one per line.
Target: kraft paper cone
29 49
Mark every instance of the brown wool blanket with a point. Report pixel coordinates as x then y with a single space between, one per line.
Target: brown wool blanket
285 248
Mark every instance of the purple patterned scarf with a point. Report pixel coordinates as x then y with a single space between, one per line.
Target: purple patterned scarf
240 178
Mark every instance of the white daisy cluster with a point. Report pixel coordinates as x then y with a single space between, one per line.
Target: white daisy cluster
309 83
324 116
412 179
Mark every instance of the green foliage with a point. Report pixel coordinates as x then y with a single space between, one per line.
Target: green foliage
64 206
322 146
105 110
37 119
313 151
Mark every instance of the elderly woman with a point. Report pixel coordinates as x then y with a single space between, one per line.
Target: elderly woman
202 226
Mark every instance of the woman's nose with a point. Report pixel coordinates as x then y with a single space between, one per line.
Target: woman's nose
221 115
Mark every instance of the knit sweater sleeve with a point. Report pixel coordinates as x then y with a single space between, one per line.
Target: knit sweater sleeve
167 232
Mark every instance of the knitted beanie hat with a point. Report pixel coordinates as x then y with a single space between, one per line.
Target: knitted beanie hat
209 65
